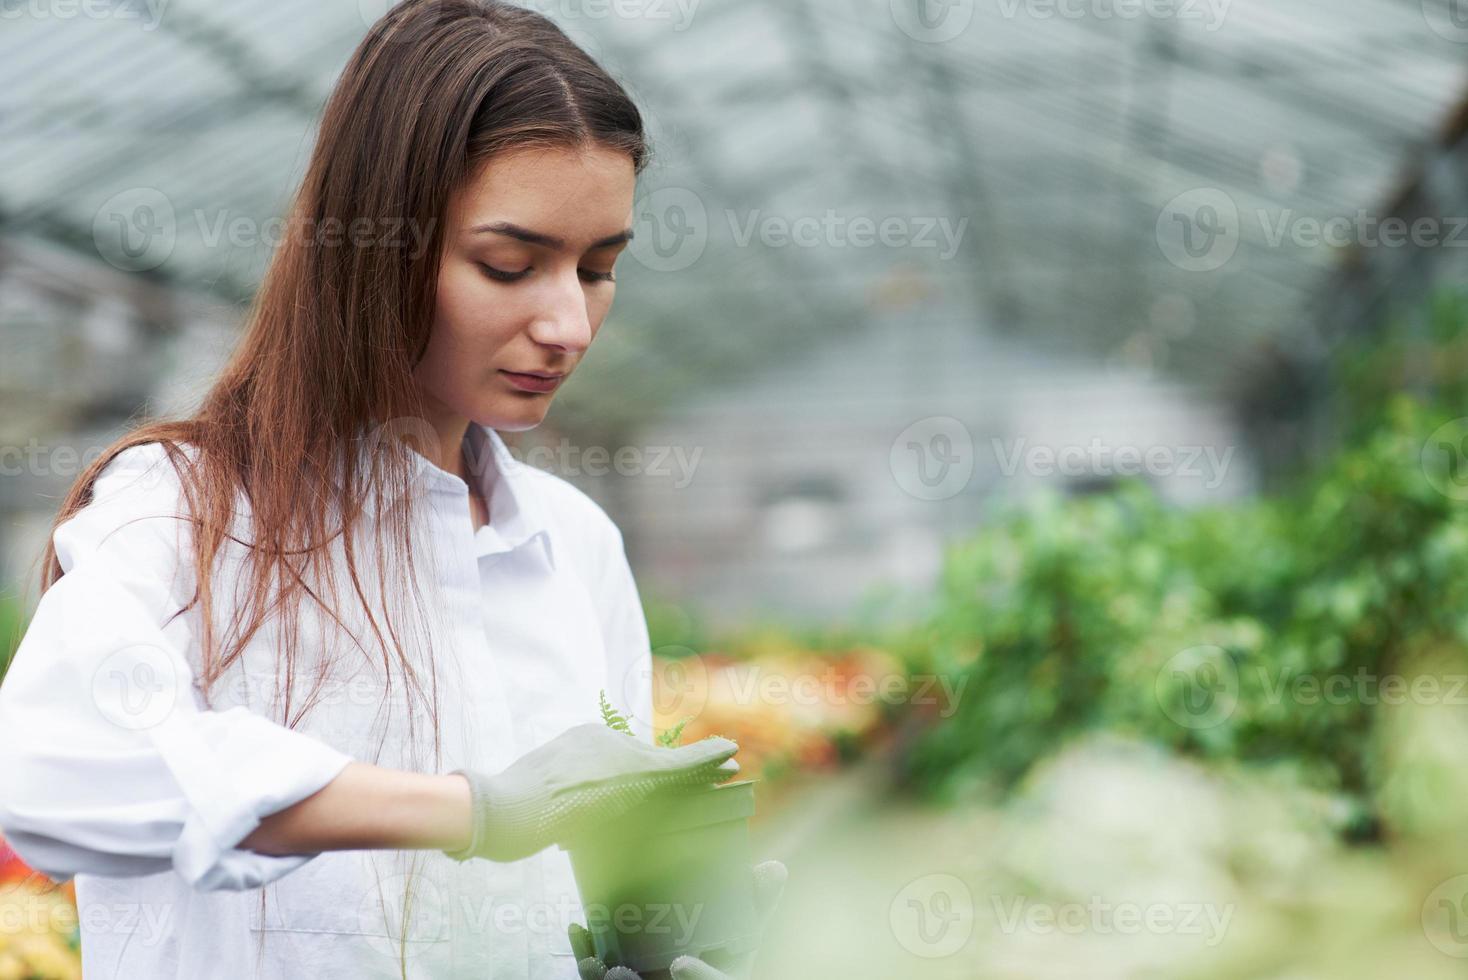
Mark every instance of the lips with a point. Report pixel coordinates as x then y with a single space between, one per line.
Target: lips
535 381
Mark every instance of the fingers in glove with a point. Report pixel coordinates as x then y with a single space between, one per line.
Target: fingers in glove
591 968
769 886
581 944
621 973
690 968
708 773
706 752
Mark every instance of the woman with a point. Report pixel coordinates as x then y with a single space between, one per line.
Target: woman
313 684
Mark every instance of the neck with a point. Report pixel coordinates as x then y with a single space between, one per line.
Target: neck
448 455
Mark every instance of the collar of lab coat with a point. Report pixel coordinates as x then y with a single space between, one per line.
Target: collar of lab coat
517 516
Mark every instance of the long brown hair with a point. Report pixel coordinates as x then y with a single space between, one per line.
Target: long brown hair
435 89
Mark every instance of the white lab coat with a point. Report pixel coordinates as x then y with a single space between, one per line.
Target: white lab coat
113 770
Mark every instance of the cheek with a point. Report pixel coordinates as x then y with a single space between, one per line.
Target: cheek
470 326
471 318
598 306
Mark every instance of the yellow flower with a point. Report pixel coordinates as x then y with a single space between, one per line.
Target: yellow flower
34 925
11 968
48 958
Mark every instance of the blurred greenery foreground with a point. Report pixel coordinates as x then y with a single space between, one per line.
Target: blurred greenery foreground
1221 743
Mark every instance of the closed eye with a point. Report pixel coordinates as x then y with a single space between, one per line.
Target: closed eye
504 275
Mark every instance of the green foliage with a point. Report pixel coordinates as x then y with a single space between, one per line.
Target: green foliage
669 738
11 628
613 719
1216 632
1058 618
672 628
618 722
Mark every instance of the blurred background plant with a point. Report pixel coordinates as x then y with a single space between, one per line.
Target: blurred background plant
1254 712
39 935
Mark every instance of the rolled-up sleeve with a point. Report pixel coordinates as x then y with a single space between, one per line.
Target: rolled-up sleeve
112 765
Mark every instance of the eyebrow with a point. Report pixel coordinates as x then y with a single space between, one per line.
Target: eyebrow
548 241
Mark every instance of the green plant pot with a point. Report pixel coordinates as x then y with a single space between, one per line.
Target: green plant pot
671 878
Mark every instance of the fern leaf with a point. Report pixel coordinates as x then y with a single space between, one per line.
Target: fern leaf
613 720
669 739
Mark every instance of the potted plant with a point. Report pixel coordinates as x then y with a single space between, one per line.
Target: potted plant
672 877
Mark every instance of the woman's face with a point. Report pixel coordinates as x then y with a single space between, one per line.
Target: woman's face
525 283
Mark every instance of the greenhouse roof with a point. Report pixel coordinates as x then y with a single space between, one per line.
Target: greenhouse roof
1137 178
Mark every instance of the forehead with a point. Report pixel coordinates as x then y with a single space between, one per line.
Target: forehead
582 193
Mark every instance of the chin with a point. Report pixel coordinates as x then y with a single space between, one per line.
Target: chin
515 426
520 418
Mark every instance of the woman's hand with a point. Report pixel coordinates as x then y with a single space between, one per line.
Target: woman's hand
769 885
583 777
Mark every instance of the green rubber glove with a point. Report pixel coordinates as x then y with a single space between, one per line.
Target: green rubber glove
769 885
584 776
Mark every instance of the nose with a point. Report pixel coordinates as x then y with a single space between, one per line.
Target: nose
563 321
